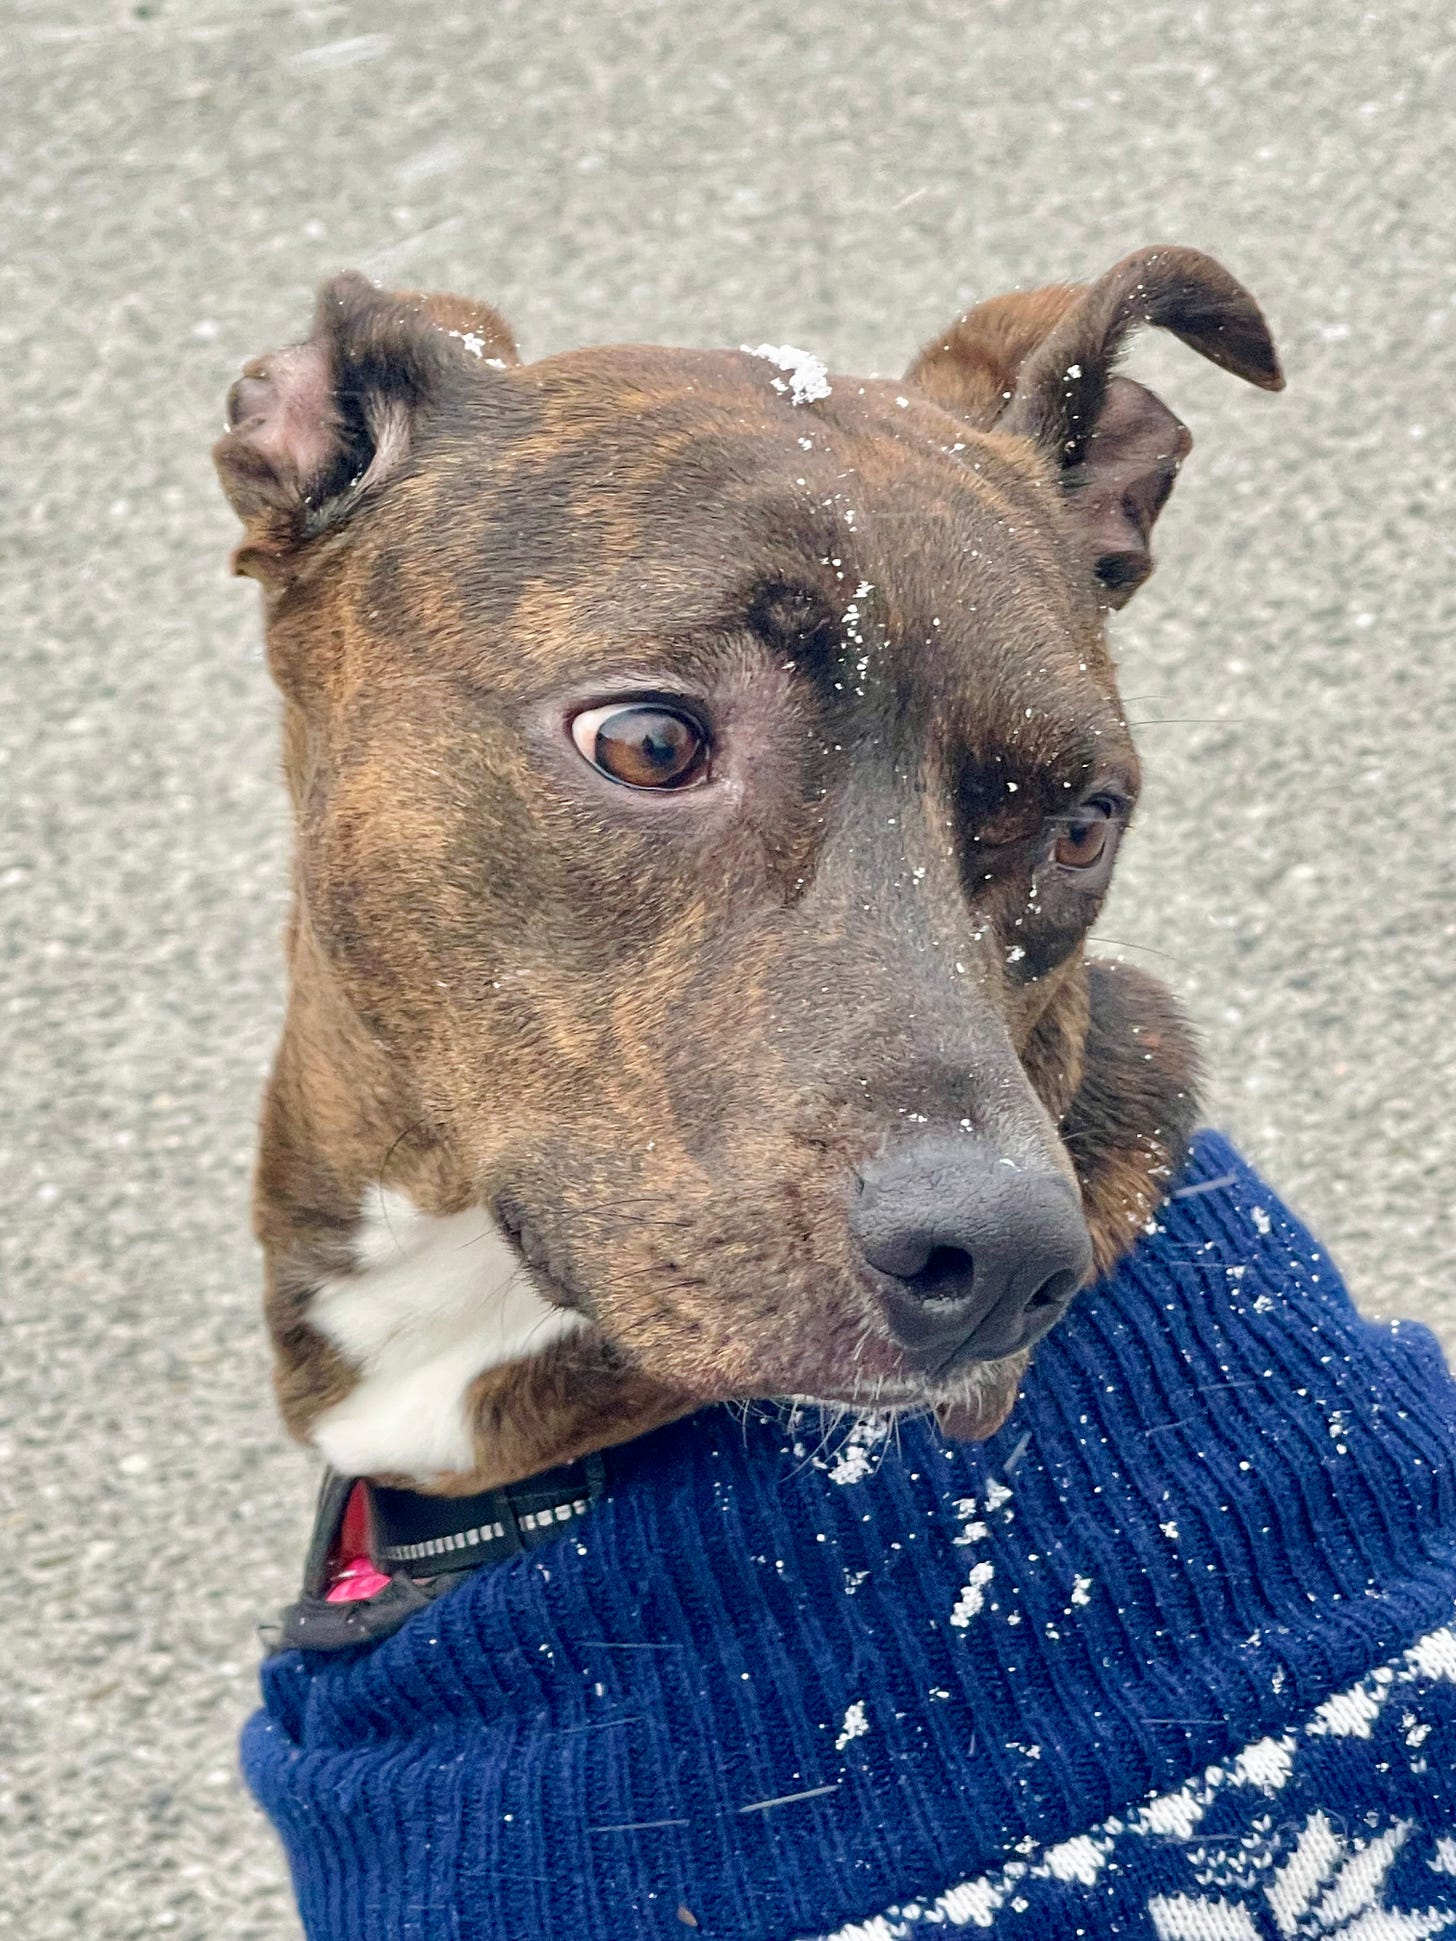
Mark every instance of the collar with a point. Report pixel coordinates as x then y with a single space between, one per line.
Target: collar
378 1555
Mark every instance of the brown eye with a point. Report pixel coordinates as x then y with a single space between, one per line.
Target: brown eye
642 744
1088 838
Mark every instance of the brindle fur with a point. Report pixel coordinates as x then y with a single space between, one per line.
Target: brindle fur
658 1033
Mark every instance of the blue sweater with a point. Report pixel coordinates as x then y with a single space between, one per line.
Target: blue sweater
1165 1658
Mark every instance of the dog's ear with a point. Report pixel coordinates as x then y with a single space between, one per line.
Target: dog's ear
313 429
1039 365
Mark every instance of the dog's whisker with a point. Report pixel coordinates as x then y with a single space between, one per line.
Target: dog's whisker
1126 943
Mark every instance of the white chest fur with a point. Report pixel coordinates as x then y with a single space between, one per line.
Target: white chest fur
434 1302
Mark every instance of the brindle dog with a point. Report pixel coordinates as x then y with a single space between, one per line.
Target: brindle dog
705 772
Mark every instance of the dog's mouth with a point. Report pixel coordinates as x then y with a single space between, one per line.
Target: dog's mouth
554 1281
969 1405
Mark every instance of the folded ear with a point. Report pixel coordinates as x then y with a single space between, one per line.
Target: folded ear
1040 365
314 428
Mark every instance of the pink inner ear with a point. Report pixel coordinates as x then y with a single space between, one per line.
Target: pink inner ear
1132 460
282 410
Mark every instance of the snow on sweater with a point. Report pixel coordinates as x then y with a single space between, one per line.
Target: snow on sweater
1166 1658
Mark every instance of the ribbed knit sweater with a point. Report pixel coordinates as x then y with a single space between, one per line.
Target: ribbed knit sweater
1167 1657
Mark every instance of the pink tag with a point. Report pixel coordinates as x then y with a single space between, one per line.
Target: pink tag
355 1578
358 1579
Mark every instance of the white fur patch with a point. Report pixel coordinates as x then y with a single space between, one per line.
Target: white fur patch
433 1303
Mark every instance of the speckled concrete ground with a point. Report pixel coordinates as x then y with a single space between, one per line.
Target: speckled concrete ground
177 176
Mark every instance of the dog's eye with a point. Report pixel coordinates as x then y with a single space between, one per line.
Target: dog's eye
1088 837
642 744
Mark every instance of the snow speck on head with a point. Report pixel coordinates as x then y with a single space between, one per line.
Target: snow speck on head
1260 1218
1081 1590
807 378
472 342
996 1494
855 1725
1170 1531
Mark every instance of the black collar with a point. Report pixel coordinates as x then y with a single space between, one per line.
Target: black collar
414 1547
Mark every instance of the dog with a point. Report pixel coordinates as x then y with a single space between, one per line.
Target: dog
705 772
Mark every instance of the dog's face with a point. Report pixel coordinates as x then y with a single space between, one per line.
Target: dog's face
706 773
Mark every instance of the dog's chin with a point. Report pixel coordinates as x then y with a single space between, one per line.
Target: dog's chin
969 1409
973 1417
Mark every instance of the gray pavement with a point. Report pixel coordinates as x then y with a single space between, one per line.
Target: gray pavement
843 176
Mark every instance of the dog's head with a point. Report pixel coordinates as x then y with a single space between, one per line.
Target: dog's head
706 771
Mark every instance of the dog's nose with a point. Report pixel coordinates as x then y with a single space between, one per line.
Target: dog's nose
980 1256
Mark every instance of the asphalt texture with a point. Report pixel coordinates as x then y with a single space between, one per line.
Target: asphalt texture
177 178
